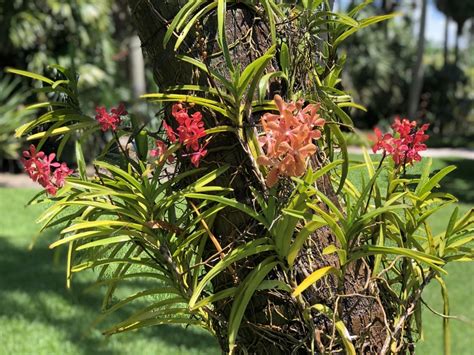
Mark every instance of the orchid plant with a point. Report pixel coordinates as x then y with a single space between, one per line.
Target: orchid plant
239 214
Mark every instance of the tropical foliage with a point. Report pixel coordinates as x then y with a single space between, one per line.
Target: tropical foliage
267 244
378 73
43 30
11 116
90 37
379 69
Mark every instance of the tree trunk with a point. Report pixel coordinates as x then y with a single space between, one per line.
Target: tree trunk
446 41
417 73
274 322
137 68
460 26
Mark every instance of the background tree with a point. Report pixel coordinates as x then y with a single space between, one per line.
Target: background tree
379 63
417 73
92 38
380 72
460 11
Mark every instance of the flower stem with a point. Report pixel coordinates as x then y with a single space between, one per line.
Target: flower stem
373 183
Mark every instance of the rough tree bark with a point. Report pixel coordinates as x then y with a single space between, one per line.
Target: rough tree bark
274 323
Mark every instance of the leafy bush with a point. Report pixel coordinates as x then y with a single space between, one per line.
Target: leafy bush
449 106
11 117
379 69
238 215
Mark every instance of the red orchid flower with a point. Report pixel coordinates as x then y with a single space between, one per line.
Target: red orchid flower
405 143
197 155
39 167
161 150
110 120
189 132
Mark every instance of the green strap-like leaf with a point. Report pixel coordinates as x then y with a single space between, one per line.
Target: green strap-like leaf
221 35
271 19
180 18
301 238
431 183
251 248
364 23
345 155
205 10
104 242
153 322
431 260
314 277
29 75
229 292
285 58
446 329
244 293
211 104
251 71
231 203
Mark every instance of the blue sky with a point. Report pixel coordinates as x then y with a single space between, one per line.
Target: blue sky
435 22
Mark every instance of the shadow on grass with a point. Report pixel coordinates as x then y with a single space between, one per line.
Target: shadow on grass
32 287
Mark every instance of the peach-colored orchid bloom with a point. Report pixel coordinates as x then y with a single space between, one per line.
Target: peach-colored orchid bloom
288 138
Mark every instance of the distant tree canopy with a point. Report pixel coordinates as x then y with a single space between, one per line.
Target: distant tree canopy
88 36
84 34
380 71
459 10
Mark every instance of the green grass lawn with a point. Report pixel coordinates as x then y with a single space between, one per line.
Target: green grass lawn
39 316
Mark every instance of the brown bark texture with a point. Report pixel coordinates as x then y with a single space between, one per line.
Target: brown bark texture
275 322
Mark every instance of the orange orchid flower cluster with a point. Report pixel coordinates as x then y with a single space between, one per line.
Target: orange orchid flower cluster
289 138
